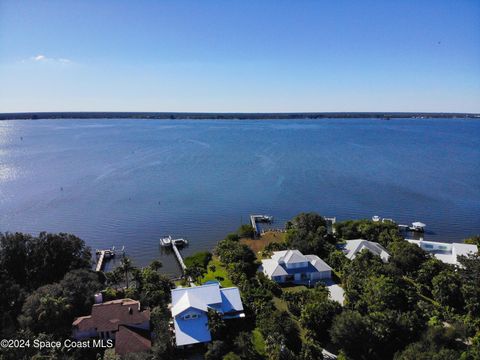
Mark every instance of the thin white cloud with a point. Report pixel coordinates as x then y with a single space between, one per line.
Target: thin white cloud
40 58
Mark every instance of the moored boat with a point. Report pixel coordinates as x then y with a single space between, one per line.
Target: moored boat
417 226
180 242
166 241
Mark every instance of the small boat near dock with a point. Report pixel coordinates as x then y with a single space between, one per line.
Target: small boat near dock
376 218
169 241
166 241
180 242
416 226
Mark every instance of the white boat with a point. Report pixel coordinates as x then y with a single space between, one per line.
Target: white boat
264 218
166 241
180 242
376 218
417 226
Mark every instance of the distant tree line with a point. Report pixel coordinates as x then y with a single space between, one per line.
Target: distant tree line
228 116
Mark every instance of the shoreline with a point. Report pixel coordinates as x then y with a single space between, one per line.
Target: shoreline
232 116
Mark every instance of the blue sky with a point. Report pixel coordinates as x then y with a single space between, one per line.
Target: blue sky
240 56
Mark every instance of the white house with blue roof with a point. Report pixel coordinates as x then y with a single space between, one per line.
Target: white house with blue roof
190 308
293 266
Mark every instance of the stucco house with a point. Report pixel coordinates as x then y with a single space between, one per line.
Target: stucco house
446 252
190 310
353 247
292 266
120 320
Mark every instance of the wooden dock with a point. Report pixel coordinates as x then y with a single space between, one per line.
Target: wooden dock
255 219
179 257
330 224
101 258
253 222
104 255
100 261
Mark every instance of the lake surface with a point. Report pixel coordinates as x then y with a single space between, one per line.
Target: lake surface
127 182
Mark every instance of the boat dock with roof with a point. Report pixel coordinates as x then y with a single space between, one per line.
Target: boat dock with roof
415 227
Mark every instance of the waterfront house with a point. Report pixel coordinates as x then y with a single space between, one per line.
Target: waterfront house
120 320
446 252
353 247
293 266
190 311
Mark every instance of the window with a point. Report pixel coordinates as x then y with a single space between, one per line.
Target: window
190 316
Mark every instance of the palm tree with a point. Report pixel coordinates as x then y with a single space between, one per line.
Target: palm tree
156 264
216 324
126 268
193 272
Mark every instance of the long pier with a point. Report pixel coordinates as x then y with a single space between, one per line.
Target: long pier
99 266
330 224
253 222
179 257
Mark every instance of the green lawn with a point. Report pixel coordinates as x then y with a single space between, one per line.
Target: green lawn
220 273
258 342
294 288
281 305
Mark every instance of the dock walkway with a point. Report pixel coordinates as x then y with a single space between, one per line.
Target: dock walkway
99 266
255 219
253 222
179 257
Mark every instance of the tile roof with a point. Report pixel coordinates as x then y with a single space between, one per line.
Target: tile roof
128 340
108 316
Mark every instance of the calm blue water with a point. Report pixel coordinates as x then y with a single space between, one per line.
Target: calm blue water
126 182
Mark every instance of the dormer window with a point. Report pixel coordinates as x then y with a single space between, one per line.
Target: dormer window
190 316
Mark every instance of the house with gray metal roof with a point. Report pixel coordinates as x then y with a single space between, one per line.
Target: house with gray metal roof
292 266
190 310
354 247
